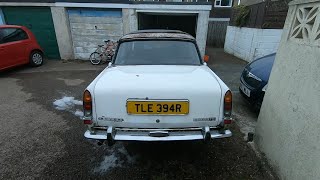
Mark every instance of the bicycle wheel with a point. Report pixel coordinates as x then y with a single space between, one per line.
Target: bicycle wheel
95 58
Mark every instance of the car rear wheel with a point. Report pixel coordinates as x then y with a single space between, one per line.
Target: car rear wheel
36 58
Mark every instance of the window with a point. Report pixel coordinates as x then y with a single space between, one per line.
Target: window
223 3
12 34
157 52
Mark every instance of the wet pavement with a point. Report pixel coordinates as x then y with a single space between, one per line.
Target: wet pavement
42 134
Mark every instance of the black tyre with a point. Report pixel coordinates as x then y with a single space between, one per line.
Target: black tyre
36 58
95 58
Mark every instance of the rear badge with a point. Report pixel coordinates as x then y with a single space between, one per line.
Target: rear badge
110 119
204 119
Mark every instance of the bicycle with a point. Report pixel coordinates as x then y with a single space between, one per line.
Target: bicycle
103 52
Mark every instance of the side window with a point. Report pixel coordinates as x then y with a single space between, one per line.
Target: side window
12 34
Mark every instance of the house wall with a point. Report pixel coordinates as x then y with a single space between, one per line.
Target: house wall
218 12
250 2
250 43
288 126
222 12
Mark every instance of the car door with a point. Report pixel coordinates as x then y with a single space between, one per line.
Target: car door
13 46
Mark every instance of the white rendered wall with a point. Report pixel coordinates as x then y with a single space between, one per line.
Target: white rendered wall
250 43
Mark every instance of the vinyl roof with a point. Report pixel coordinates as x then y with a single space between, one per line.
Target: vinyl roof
157 34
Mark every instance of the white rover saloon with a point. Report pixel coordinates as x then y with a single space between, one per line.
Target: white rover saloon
157 88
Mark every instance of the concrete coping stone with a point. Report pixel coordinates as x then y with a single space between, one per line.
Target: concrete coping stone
296 2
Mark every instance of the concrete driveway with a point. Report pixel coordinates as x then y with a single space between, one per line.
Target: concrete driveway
41 135
229 69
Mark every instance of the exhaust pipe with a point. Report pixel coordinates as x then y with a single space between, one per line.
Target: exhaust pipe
100 142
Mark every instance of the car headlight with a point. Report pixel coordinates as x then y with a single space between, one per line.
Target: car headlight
265 88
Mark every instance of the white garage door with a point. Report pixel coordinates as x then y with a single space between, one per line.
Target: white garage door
91 27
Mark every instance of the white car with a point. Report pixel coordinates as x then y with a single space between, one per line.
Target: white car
157 88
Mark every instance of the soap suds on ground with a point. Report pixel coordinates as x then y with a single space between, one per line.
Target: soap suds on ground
69 104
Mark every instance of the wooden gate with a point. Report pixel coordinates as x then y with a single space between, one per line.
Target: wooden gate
217 30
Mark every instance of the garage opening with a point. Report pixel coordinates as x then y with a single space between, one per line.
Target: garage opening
183 22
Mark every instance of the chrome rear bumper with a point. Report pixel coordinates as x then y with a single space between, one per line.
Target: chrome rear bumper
130 134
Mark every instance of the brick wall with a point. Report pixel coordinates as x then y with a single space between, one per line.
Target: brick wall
250 43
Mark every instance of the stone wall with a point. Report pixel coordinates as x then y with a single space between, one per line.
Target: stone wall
250 43
288 125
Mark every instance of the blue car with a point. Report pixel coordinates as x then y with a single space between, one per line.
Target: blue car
254 80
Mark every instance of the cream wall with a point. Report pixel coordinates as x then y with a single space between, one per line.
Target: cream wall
289 122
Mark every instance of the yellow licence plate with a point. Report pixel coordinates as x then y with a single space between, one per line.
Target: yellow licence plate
158 107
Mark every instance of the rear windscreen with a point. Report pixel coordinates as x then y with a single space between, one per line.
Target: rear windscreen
157 53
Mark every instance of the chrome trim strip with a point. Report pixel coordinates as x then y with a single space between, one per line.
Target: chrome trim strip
153 129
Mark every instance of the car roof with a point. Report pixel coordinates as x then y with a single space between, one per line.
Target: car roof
10 26
157 34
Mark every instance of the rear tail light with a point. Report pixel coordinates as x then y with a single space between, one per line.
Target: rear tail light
87 121
227 121
228 105
87 104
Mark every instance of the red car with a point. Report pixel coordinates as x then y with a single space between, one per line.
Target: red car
18 46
